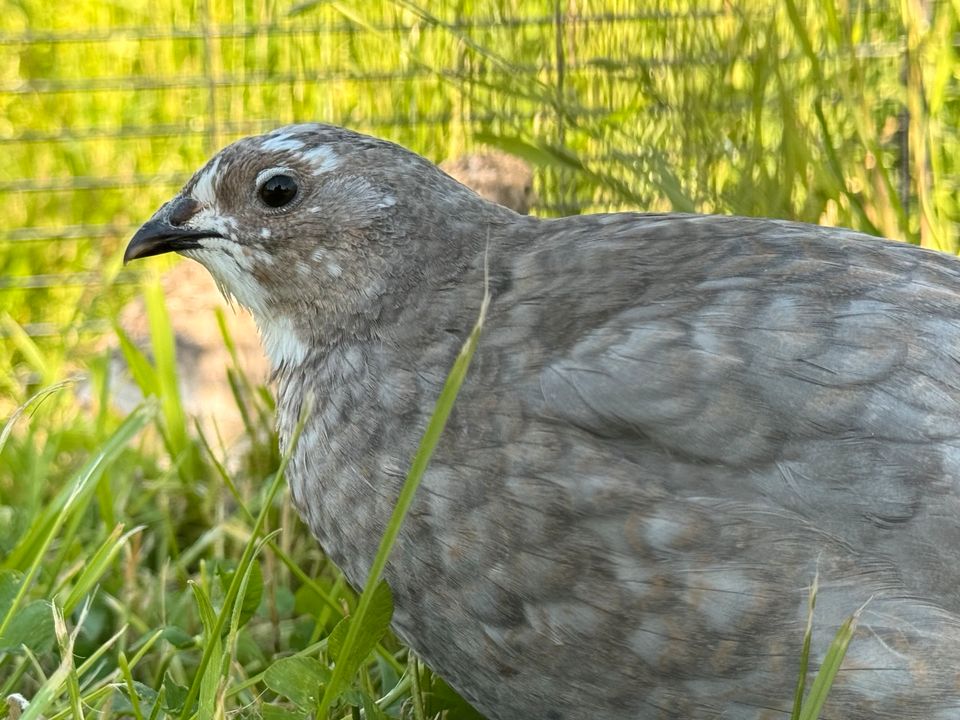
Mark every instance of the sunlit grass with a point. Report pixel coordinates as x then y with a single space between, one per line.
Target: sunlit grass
172 588
771 108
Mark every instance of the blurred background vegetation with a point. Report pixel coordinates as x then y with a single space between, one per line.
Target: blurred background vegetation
838 112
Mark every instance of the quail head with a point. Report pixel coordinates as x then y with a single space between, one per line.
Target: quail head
671 425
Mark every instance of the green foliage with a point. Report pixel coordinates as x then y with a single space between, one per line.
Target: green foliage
299 679
833 112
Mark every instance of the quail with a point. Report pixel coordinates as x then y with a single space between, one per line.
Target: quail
671 425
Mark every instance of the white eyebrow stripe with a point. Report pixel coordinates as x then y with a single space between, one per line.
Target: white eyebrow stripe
281 142
204 190
321 158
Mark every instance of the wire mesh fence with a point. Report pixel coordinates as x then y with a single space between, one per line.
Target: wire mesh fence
823 113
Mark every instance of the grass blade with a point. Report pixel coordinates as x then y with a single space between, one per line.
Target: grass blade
805 652
32 548
219 622
36 398
830 667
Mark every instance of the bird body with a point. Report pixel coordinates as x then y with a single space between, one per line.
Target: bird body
671 425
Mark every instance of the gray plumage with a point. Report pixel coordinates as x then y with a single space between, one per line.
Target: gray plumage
671 424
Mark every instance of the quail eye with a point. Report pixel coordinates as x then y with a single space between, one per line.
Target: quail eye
278 190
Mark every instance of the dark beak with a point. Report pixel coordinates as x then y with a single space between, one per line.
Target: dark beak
163 233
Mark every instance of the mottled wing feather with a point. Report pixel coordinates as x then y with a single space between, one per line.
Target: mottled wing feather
748 352
753 424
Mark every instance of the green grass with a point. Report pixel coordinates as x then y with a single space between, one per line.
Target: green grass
143 568
197 621
776 108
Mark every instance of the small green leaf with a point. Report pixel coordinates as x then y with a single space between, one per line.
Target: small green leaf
32 626
371 709
249 651
174 694
359 699
254 594
440 697
178 637
208 616
375 625
307 601
123 704
10 581
389 676
9 527
302 634
298 678
279 712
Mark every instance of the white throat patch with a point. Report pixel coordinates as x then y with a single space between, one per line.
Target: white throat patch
281 341
233 272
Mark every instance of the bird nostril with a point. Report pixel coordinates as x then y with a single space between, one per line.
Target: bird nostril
182 210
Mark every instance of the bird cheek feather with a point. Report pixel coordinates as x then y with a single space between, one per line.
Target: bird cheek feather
208 219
